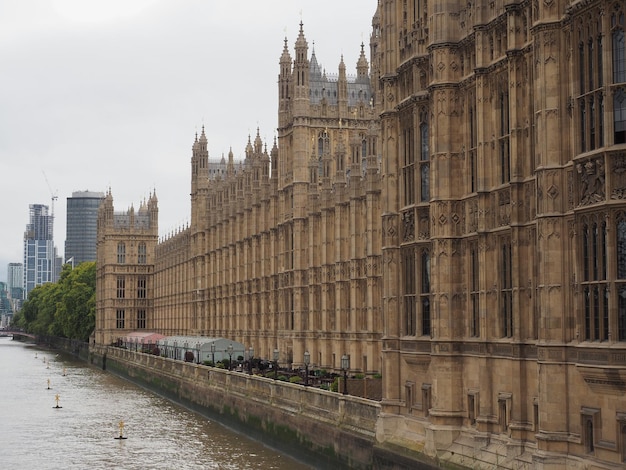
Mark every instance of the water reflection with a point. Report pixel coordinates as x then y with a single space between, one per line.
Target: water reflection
81 434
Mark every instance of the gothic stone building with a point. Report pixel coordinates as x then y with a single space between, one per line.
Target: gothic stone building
455 220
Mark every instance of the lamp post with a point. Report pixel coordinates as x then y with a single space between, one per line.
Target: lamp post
307 361
250 356
213 353
198 353
230 357
345 365
275 357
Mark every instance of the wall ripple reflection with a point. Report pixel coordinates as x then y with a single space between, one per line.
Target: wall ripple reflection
81 434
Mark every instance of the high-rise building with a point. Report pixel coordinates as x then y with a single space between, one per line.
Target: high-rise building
40 260
15 284
81 226
462 231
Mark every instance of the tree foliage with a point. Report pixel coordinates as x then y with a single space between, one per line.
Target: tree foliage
66 308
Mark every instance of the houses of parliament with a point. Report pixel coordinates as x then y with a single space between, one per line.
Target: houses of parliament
452 217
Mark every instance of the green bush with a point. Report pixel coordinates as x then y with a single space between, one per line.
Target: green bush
283 378
334 387
296 379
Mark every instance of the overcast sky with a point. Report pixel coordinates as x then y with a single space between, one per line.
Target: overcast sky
110 93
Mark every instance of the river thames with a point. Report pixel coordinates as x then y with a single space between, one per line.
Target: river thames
81 433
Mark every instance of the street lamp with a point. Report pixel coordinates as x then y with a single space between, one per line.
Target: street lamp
230 356
345 365
213 353
198 352
250 356
307 361
275 357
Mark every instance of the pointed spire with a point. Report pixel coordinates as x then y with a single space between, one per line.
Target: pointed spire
258 143
362 66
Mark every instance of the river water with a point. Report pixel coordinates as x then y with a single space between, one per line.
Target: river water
81 433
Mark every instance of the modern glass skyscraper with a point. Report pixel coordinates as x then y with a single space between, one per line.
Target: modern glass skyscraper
15 284
81 226
39 252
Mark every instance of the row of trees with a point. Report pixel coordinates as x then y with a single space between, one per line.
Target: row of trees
66 308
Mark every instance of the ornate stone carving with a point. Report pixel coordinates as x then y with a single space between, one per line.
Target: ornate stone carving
591 179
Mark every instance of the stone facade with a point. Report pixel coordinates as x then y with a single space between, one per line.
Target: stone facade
124 269
504 236
453 218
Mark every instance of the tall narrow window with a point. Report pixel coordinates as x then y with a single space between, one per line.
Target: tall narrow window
121 253
592 122
408 166
503 414
589 436
473 166
581 67
409 291
141 253
590 63
474 293
471 409
583 127
424 162
600 63
363 156
425 292
619 116
621 247
619 49
601 120
506 292
505 157
621 313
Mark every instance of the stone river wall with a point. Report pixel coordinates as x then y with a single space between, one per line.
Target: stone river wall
323 428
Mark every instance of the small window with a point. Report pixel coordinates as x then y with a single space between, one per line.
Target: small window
590 420
426 399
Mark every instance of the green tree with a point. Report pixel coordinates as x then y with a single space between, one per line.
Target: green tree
66 308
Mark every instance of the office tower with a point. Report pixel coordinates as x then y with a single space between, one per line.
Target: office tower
15 284
81 226
40 264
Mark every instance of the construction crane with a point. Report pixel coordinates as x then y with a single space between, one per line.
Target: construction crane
53 196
